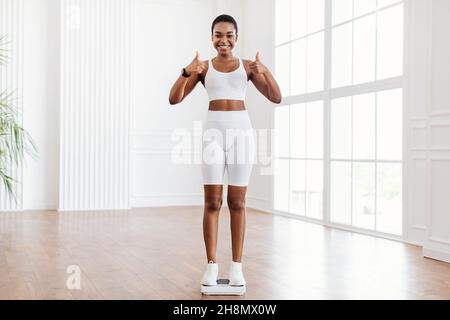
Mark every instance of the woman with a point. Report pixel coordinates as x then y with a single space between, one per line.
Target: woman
225 79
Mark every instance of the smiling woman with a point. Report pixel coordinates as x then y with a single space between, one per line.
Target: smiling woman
229 134
223 37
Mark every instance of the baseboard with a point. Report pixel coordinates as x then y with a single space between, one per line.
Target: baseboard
37 207
166 200
258 203
42 207
436 254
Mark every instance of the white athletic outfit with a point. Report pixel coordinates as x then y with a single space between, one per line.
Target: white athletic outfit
228 138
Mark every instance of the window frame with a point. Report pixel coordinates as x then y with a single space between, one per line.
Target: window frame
327 95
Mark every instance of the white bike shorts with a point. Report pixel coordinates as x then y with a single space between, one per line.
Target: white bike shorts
228 145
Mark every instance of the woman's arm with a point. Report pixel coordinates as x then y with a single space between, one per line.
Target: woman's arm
183 86
264 81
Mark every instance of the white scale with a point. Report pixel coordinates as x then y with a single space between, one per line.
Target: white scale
223 289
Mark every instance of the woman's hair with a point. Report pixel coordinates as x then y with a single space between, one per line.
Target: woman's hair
224 18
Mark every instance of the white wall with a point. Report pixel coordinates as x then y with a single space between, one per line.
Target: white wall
428 123
437 243
71 111
166 41
156 181
41 102
417 101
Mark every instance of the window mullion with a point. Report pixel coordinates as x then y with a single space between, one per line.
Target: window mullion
289 111
326 113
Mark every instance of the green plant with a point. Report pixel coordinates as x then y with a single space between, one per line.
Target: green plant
14 140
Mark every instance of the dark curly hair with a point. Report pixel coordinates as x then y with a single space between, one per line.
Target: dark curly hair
224 18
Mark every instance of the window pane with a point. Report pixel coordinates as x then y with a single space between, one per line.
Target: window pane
364 49
315 65
340 192
341 52
282 69
390 124
342 10
281 184
282 21
389 198
316 15
314 188
298 67
364 195
314 132
384 3
341 128
362 7
298 18
364 126
390 42
298 131
282 131
298 191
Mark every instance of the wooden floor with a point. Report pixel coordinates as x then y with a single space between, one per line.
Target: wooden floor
158 253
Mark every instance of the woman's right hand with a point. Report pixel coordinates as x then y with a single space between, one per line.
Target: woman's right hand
196 66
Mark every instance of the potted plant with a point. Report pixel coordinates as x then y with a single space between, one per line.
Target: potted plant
14 140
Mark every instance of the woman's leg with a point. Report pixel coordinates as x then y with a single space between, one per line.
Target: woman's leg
236 205
213 203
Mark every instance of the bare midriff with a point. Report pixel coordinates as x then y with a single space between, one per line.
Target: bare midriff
226 105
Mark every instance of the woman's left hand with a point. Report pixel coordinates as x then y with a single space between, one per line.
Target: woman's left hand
257 67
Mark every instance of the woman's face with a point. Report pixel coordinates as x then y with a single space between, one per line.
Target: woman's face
224 37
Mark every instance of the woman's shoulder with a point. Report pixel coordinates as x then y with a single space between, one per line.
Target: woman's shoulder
246 62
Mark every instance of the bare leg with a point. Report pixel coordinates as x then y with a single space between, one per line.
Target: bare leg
236 204
213 203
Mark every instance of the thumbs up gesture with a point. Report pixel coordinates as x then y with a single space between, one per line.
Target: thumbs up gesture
257 67
196 66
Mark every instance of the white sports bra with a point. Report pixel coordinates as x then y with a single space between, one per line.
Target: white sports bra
226 85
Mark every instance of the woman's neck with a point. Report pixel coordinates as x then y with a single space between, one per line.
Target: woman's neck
225 57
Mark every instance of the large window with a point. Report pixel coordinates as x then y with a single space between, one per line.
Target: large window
338 133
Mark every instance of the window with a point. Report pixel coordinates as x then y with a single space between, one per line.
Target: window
299 40
339 63
299 159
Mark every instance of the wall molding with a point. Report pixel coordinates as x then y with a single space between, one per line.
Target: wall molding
164 200
167 195
440 113
439 240
152 132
